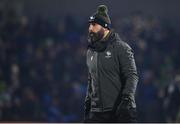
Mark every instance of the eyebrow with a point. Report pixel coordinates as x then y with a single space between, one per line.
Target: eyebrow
93 23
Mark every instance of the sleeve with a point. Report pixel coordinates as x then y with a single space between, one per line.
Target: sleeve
128 69
87 103
88 92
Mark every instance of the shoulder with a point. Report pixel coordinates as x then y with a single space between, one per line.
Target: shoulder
88 51
118 43
121 45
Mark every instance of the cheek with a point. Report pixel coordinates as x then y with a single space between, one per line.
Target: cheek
97 29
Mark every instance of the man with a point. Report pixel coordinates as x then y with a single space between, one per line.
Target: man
112 76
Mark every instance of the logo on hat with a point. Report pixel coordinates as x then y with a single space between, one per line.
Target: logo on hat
92 17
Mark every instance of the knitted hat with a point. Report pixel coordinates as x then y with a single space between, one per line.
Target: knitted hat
101 17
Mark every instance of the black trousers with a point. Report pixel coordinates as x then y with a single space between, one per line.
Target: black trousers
129 116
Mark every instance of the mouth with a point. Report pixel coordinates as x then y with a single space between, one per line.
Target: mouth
94 37
91 34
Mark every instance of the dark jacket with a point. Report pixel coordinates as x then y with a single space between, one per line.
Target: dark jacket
111 70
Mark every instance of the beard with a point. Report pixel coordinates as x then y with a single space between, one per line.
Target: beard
95 37
95 41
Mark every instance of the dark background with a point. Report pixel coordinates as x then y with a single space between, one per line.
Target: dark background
43 73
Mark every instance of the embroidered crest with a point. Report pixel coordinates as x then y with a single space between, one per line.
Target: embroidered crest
108 54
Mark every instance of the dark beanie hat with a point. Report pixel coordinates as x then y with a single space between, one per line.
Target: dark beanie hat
101 17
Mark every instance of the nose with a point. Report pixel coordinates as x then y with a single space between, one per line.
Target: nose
90 27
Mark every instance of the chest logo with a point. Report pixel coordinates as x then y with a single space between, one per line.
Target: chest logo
108 54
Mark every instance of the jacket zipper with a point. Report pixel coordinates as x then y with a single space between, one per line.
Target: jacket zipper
100 97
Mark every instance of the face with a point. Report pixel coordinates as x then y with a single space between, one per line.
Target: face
96 32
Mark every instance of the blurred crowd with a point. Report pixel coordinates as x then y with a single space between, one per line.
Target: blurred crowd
156 47
43 73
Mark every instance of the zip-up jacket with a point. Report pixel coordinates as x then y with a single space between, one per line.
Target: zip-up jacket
111 70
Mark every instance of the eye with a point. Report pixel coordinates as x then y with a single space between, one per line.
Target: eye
93 24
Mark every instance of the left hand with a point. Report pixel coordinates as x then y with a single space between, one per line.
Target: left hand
125 110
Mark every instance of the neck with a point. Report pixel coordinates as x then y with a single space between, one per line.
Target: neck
105 34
